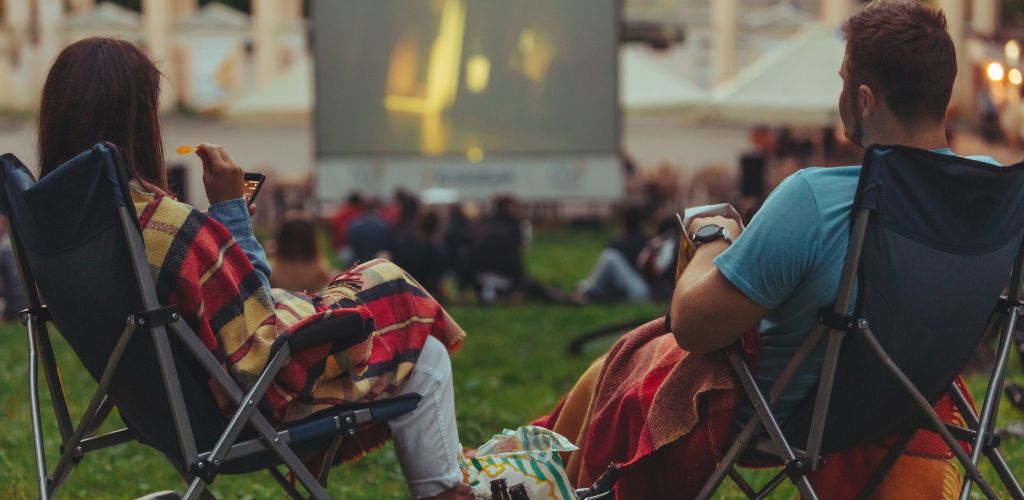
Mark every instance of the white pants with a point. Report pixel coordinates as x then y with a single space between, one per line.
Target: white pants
426 439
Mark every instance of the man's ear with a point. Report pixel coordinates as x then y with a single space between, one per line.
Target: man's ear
866 101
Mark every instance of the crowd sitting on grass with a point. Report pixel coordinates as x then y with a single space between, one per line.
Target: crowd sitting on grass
765 282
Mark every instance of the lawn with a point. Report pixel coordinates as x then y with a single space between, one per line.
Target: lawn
512 369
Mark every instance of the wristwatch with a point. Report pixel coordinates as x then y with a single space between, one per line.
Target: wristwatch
711 232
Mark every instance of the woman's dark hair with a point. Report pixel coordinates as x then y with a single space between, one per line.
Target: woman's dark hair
297 240
101 89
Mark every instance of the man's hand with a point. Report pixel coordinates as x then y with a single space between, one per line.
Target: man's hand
223 178
708 311
730 225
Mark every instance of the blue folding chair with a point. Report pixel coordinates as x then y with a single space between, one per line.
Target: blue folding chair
81 254
935 240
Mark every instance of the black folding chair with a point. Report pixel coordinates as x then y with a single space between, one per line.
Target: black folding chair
81 254
934 239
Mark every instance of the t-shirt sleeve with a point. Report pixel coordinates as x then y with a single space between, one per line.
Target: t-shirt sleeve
774 252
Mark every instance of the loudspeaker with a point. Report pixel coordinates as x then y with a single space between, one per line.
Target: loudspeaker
752 175
177 180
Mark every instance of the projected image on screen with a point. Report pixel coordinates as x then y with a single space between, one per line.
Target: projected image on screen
465 77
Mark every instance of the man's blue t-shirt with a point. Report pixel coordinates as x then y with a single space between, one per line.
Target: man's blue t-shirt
789 260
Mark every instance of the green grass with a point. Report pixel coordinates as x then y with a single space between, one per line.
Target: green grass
512 369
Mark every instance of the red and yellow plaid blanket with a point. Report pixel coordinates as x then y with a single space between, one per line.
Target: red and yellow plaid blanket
199 268
666 417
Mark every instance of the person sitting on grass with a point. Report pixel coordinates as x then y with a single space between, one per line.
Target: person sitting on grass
663 405
298 262
214 271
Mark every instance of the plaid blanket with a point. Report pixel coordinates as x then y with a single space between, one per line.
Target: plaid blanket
665 418
199 268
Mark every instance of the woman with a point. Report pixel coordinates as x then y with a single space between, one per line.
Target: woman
213 269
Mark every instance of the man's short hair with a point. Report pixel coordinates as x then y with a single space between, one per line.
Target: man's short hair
900 48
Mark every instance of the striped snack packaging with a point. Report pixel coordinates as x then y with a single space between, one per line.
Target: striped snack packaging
525 461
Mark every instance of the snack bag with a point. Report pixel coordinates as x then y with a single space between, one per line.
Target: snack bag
520 464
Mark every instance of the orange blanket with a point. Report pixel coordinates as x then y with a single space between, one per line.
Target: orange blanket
665 417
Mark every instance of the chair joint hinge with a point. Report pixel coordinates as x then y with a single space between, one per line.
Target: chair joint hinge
347 425
797 468
993 441
205 470
1006 305
155 317
840 322
42 313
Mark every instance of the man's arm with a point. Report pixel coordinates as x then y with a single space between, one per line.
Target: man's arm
708 311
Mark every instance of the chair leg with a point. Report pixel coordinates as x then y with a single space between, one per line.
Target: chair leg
68 457
257 420
886 465
764 414
205 495
286 485
990 408
743 485
998 463
928 412
771 486
37 423
730 459
328 460
53 382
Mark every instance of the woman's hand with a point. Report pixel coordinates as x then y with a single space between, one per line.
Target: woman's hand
223 178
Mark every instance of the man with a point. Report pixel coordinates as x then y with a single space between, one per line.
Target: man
664 415
898 75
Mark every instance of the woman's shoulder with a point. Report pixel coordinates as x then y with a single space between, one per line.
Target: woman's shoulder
160 208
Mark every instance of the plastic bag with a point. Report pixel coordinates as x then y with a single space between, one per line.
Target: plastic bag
520 464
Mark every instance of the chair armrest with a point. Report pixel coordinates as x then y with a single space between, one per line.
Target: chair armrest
346 417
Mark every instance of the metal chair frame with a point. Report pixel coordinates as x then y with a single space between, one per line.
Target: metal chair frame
979 432
198 468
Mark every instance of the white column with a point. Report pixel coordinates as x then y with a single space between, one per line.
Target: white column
49 14
16 14
185 8
834 12
266 46
23 83
80 6
956 17
724 15
292 9
156 29
984 16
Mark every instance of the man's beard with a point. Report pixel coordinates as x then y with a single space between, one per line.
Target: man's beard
856 135
856 131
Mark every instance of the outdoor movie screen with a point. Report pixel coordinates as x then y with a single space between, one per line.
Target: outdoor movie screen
466 77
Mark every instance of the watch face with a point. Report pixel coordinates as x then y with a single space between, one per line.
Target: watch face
707 231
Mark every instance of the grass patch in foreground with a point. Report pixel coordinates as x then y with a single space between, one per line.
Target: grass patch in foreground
512 369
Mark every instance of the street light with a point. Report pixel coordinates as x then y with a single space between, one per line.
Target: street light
1015 76
995 72
1012 50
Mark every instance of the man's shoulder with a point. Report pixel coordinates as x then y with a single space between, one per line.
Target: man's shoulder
824 186
816 176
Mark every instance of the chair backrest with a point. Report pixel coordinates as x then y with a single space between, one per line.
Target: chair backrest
943 236
74 249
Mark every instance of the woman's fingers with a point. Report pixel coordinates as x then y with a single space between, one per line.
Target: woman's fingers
224 180
211 156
